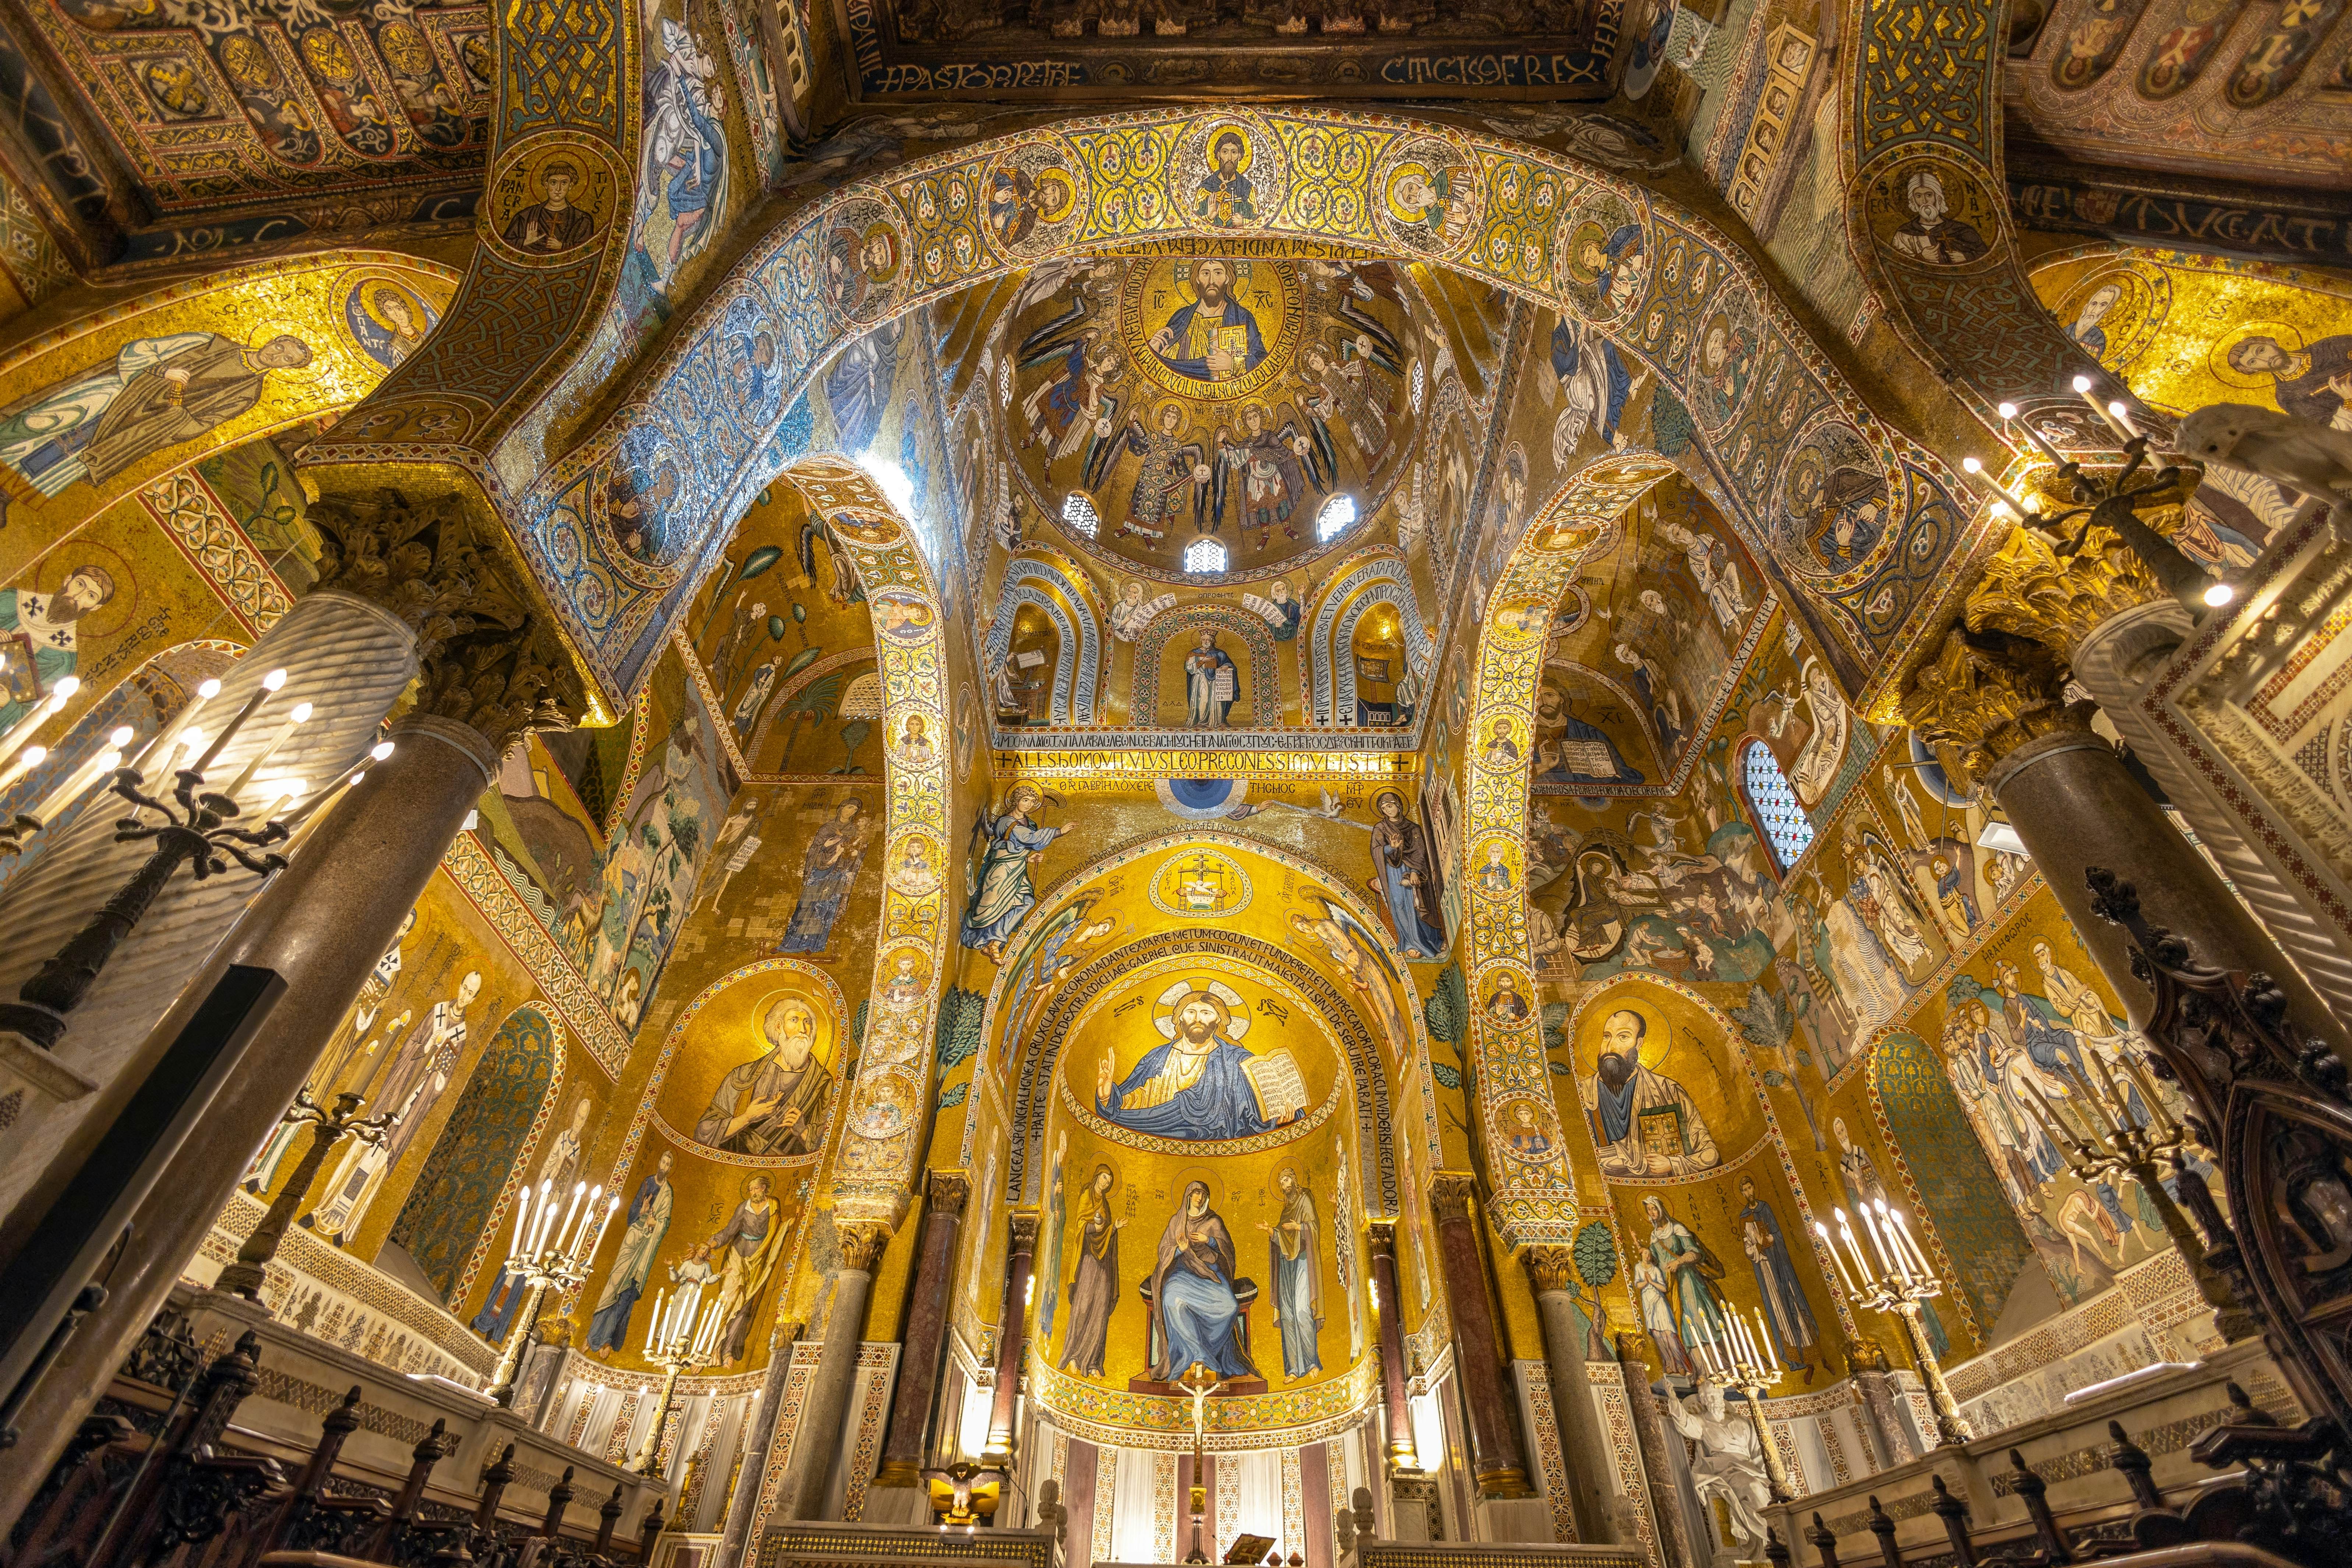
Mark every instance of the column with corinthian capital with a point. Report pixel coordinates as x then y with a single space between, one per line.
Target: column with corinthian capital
1993 699
1507 1507
897 1495
489 670
1590 1462
816 1435
1389 1302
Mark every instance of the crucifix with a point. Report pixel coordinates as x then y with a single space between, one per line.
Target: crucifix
1200 1383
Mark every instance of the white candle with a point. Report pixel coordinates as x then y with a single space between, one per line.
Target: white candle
578 1191
270 684
612 1207
65 795
1882 1232
1830 1246
654 1326
28 759
1772 1354
546 1218
1903 1234
2083 390
1878 1247
2119 415
38 714
522 1220
294 720
587 1217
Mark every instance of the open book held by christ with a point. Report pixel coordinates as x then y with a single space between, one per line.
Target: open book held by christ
1273 1077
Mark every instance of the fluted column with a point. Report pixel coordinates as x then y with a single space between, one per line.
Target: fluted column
1589 1460
906 1445
1389 1302
1012 1338
488 671
1994 701
1497 1458
816 1437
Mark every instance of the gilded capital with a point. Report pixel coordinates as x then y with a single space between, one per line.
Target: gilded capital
2029 590
1024 1232
1986 694
1550 1269
1380 1234
1451 1194
490 657
949 1190
862 1241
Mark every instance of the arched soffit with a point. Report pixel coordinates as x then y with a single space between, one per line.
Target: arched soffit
92 424
569 92
1330 672
1927 211
1064 594
1114 906
1534 1198
891 1102
1790 439
1170 635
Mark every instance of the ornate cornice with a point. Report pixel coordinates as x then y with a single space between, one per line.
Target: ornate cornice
1986 694
2028 590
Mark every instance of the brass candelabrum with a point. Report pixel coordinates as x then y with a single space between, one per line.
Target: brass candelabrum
2109 500
547 1255
2141 1144
193 826
1899 1281
328 1131
679 1340
1742 1357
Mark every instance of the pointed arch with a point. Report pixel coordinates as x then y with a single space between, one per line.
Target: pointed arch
1532 1200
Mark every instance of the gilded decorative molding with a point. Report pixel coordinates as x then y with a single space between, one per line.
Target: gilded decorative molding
490 661
1550 1269
948 1192
862 1241
2029 591
1985 695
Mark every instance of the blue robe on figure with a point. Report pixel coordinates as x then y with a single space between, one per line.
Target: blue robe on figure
1220 1103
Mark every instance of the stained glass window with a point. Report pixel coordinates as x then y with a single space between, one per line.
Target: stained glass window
1204 557
1079 513
1775 804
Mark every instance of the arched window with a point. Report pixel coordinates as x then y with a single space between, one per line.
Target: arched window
1204 557
1079 512
1416 387
1774 804
1338 516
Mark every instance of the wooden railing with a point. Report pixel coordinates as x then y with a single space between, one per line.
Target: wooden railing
143 1487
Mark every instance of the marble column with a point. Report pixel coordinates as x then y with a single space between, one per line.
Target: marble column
325 919
1012 1338
897 1495
1993 701
1389 1302
816 1437
750 1461
1657 1465
1496 1456
1589 1463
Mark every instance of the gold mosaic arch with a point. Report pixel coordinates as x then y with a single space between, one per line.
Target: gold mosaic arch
889 1102
1533 1201
1415 1079
1531 222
